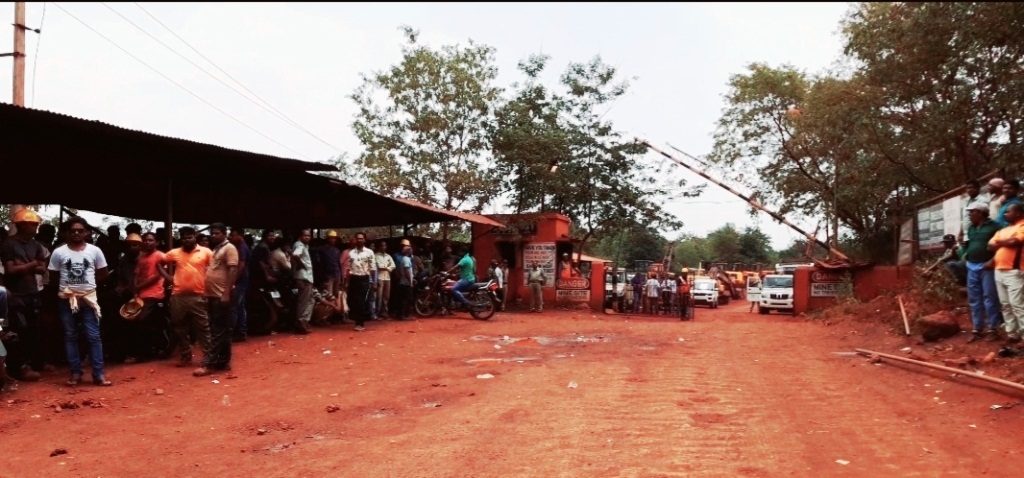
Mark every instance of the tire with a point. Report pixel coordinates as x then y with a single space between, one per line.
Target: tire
482 307
764 310
424 306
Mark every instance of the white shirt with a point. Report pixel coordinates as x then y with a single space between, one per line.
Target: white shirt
500 276
652 287
300 251
385 264
361 263
77 268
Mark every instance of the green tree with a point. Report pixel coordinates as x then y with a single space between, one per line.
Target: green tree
529 139
426 124
724 244
930 98
691 251
630 244
556 151
755 247
950 78
603 185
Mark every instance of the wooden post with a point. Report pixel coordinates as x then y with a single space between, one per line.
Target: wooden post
903 312
18 97
169 220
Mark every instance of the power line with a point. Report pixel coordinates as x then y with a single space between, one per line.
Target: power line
175 83
35 57
280 114
189 60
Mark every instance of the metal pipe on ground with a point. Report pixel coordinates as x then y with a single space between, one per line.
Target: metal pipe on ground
1006 383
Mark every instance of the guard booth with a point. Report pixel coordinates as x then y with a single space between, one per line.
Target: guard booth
540 238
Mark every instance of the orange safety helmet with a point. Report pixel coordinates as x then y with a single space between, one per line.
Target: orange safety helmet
26 215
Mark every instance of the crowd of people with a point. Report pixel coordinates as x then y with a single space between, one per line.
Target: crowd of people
664 293
140 298
986 258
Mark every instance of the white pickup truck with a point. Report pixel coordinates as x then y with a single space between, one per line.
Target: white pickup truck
705 291
776 293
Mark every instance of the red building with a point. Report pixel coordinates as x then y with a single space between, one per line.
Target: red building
541 238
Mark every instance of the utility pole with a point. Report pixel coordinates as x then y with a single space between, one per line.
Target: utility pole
19 53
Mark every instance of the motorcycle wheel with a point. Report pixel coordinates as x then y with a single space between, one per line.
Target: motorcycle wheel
424 306
482 307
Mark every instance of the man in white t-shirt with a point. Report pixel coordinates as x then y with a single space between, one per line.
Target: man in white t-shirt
653 287
79 265
361 264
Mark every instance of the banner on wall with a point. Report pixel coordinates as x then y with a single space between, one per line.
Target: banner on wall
542 253
572 295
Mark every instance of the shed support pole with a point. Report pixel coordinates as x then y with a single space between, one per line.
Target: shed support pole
170 214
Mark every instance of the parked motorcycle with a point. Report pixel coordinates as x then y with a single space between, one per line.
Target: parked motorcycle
435 297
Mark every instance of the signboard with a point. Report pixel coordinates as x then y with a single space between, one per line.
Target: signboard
953 215
543 254
581 296
829 284
939 219
905 254
831 289
826 276
574 283
929 226
523 228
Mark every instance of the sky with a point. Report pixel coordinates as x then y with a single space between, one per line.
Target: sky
304 60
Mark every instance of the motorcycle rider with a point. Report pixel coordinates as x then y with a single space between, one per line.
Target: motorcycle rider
467 277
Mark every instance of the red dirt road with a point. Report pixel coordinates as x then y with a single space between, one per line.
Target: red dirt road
731 394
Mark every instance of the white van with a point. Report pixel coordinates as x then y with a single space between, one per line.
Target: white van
776 293
705 291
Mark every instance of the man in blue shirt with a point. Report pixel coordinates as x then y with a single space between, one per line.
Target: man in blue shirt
1011 189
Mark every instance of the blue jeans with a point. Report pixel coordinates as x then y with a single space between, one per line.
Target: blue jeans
92 334
240 318
982 296
461 286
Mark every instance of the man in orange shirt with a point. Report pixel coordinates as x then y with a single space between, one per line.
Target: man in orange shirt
1007 244
149 327
187 265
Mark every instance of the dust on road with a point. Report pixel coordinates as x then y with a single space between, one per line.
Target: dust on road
563 394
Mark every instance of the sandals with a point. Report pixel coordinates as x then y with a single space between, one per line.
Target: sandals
75 379
102 382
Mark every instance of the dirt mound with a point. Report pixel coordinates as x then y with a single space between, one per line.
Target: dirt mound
938 337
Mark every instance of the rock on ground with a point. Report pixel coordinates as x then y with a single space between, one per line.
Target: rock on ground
938 326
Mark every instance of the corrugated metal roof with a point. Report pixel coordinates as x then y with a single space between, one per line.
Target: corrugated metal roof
466 216
52 158
34 125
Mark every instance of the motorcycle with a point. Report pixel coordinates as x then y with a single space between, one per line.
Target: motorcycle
435 297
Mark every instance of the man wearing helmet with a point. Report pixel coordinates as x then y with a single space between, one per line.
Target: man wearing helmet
23 258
